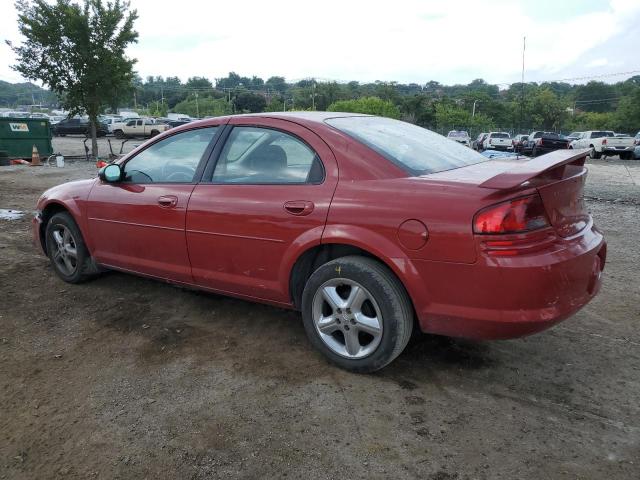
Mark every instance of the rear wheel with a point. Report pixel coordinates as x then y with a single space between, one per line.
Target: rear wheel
66 249
357 313
594 154
626 156
154 133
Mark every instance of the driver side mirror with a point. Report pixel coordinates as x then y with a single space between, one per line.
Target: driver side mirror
110 173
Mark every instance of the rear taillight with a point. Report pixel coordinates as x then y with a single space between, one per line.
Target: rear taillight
604 142
514 216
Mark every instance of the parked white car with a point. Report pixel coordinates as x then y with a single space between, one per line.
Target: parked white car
497 141
460 136
15 114
605 142
54 119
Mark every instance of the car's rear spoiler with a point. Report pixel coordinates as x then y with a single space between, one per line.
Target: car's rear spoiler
528 170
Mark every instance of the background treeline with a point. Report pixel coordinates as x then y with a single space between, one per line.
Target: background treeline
557 106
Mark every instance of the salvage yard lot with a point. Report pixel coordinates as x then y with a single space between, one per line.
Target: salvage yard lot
125 377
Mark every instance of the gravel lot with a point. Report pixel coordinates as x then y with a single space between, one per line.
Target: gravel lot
125 377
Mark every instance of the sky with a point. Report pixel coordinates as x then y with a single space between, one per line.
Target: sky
404 40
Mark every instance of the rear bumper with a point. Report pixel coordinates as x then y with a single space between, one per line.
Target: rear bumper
615 151
508 297
503 148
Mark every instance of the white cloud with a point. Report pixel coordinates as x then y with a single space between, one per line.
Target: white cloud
410 40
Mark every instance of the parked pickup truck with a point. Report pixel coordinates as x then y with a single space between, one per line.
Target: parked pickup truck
540 143
605 142
139 127
460 136
497 141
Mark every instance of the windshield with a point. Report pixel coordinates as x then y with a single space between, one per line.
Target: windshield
417 150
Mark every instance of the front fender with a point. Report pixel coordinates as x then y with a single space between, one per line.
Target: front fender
73 197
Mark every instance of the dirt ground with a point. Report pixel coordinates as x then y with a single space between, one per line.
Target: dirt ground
125 377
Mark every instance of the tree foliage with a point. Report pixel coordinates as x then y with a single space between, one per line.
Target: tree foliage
78 51
369 105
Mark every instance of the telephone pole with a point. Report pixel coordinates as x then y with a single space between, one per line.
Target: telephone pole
524 47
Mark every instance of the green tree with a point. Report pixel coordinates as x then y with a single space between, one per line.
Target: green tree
627 116
276 83
247 102
78 51
370 105
546 110
204 106
449 116
200 83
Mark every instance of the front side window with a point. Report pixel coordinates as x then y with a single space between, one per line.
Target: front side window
254 155
414 149
171 160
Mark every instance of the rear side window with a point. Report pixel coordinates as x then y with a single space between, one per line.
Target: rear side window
416 150
601 134
254 155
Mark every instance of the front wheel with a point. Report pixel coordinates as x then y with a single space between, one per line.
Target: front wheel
66 249
357 313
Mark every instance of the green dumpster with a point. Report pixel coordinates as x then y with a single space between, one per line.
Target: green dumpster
19 135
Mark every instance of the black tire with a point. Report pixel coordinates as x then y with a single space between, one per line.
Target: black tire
534 152
154 133
391 298
118 134
593 154
84 267
626 156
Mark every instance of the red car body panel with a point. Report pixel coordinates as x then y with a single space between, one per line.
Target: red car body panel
244 240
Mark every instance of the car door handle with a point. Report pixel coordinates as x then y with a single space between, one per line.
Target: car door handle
299 207
168 201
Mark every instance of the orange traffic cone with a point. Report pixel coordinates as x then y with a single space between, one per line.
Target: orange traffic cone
35 157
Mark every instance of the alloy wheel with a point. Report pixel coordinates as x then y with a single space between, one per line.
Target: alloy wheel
347 318
65 254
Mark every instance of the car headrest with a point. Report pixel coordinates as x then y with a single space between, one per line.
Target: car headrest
269 158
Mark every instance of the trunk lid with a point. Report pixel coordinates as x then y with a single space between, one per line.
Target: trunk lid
559 178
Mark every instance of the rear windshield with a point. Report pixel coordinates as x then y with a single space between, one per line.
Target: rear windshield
601 134
500 135
458 134
417 150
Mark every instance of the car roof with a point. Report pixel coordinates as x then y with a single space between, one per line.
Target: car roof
303 116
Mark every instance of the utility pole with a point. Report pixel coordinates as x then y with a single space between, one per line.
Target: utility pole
473 113
162 94
197 107
524 47
313 95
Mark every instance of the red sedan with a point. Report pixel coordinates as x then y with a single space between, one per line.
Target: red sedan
370 226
